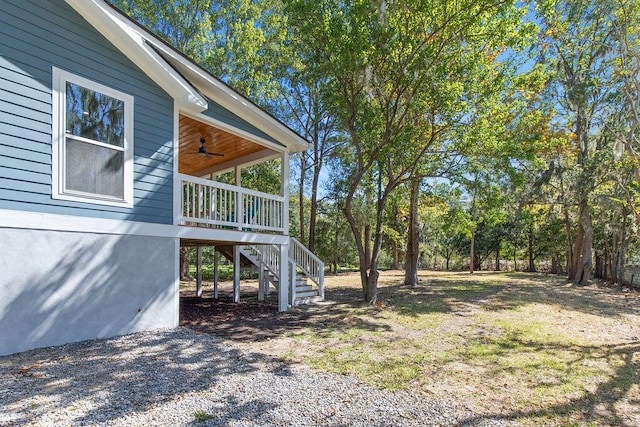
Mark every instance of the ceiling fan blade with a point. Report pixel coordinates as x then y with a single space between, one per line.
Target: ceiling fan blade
203 150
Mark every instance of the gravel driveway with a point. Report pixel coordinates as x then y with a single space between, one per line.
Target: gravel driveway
179 377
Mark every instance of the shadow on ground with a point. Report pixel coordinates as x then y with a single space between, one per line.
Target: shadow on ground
119 378
598 407
253 320
458 295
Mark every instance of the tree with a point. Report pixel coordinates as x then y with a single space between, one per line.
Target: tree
626 33
238 41
393 69
577 36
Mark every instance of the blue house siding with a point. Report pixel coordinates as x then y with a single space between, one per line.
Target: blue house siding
36 35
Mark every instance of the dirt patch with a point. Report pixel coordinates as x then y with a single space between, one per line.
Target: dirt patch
253 321
531 349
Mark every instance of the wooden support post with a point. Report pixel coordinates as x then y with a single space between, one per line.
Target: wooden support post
283 284
236 273
199 272
261 283
284 191
216 260
292 281
239 202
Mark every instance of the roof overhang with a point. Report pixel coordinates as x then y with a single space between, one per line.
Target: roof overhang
185 81
120 31
228 98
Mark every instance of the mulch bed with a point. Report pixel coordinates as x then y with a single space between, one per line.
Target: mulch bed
248 320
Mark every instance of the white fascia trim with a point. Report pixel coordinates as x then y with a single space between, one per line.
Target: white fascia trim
76 224
237 104
56 222
131 42
234 130
231 236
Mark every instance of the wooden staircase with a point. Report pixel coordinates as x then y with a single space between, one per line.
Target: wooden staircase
305 293
227 252
306 281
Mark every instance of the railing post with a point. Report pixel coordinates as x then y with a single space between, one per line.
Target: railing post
284 192
292 281
321 281
177 199
283 291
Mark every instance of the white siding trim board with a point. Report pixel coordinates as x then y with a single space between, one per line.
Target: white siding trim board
56 222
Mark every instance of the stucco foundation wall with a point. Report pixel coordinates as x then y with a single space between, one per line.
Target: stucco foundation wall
60 287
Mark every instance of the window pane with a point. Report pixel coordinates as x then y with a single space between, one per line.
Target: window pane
93 115
94 169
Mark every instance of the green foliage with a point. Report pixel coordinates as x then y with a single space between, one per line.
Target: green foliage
238 41
202 416
521 117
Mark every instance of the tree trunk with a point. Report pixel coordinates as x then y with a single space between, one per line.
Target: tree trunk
582 263
605 260
621 249
396 257
472 255
567 229
532 266
555 264
313 214
303 167
185 275
367 246
413 238
498 257
599 270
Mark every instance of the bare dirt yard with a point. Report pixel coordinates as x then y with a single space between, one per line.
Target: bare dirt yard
527 348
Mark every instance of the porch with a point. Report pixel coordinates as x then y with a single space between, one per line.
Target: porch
246 226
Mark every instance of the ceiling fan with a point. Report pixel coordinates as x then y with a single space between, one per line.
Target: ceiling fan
203 150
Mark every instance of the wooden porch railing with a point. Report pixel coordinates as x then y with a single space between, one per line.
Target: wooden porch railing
228 206
308 262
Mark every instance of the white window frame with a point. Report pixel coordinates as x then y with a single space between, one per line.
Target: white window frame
59 110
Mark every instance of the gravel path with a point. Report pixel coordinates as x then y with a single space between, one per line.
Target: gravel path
178 377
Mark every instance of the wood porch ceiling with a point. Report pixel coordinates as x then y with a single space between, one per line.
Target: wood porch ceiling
216 141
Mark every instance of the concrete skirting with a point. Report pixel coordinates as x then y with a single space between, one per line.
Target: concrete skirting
58 287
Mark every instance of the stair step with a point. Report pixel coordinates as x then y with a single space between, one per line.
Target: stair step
303 288
307 300
306 294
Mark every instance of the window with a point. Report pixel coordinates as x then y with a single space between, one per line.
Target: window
92 142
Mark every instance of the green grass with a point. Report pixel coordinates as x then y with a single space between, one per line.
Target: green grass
522 345
202 416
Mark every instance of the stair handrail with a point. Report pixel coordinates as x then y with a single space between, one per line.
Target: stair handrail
299 256
308 262
268 256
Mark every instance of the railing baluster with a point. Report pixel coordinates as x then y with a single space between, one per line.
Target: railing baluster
217 204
